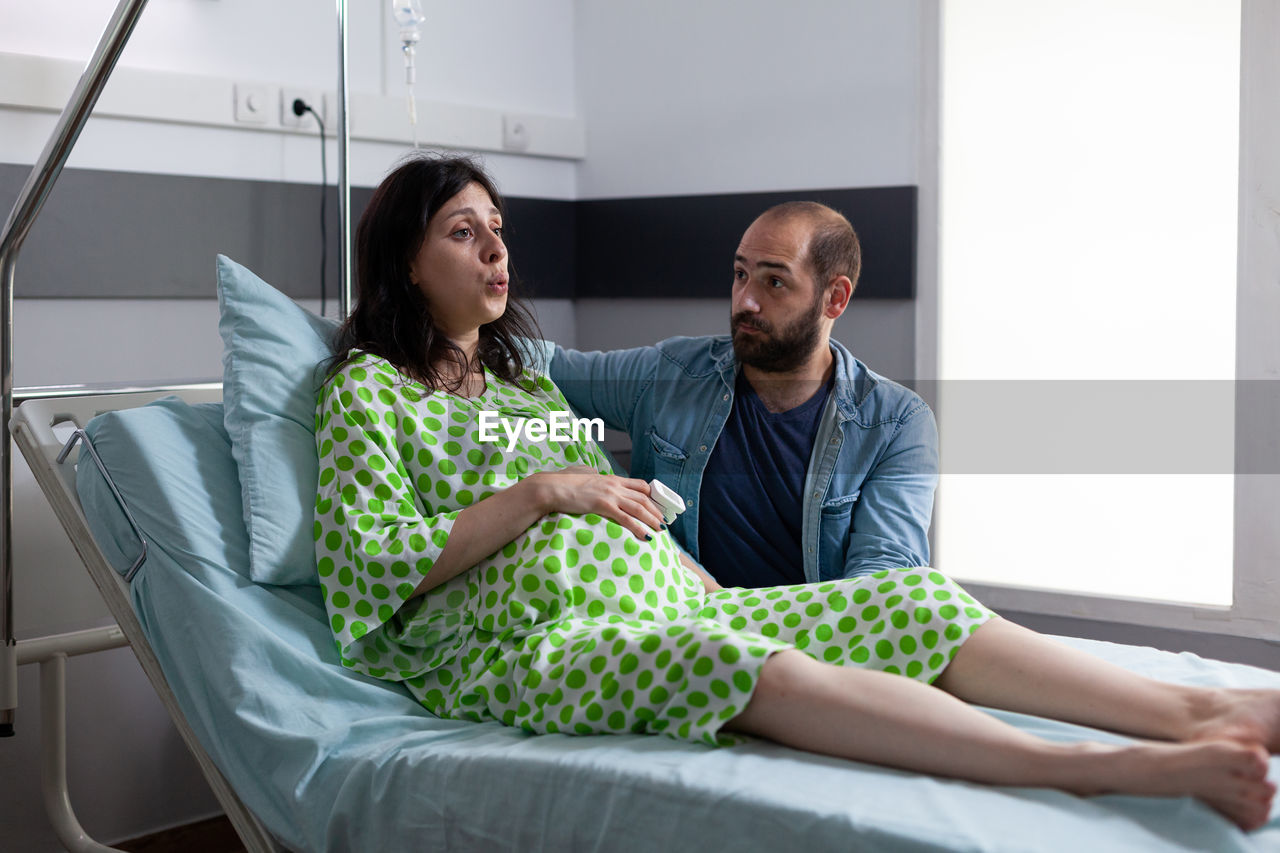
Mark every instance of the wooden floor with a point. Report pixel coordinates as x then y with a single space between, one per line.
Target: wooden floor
214 835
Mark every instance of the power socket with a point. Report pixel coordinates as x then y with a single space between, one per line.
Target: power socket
313 97
253 104
515 133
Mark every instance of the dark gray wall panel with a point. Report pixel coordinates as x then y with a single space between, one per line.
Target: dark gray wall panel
131 235
683 246
542 242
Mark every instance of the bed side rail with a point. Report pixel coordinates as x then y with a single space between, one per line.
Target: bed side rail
41 428
50 419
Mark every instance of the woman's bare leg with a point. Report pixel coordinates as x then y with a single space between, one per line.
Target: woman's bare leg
894 721
1003 665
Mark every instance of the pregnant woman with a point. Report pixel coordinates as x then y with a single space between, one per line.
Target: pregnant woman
521 581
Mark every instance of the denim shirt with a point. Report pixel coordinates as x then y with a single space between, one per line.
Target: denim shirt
871 476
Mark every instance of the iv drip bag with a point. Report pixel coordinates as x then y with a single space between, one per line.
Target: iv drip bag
408 15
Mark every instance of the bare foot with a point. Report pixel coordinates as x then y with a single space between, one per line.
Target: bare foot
1229 777
1247 716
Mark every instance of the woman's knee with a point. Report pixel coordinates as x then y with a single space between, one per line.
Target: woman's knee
785 673
789 680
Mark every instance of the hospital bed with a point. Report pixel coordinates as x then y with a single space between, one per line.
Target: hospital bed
307 755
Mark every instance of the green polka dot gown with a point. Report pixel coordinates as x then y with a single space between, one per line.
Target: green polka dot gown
575 626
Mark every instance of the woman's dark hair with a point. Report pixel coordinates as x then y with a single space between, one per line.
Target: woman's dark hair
391 317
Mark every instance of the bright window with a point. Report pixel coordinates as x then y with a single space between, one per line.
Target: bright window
1087 295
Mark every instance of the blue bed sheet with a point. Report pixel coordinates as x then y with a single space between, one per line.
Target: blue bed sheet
333 761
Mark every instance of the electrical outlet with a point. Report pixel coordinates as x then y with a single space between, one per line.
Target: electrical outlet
252 103
311 97
515 133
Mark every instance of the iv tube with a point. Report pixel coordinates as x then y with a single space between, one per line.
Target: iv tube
413 118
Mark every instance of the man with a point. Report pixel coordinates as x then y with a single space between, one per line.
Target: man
796 463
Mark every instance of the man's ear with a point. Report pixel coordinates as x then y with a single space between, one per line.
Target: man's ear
838 295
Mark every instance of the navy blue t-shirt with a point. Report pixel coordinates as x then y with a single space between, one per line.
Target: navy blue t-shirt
750 524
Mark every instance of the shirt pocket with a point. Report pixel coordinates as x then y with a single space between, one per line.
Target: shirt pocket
668 460
834 529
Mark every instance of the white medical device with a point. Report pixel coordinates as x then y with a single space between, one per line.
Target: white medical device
667 499
408 16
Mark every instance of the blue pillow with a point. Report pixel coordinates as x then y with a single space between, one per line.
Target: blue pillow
172 464
272 354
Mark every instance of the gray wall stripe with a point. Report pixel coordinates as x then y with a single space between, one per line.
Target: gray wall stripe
125 235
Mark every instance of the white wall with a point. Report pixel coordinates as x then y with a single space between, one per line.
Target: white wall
732 95
294 42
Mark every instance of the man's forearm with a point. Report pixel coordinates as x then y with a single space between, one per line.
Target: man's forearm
707 581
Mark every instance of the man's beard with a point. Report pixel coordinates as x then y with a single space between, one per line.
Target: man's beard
781 352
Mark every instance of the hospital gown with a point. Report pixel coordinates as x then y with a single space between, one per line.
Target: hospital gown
576 625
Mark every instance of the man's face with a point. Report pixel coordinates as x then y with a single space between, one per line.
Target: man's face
776 313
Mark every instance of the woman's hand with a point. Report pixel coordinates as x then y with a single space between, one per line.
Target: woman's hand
581 489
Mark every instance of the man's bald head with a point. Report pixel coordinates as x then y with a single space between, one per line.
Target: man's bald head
833 245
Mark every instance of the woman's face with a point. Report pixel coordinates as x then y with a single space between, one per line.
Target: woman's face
461 267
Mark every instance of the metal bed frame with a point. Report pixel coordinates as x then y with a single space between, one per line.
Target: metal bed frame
35 428
45 408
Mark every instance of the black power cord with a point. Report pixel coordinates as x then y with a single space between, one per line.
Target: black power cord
301 107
